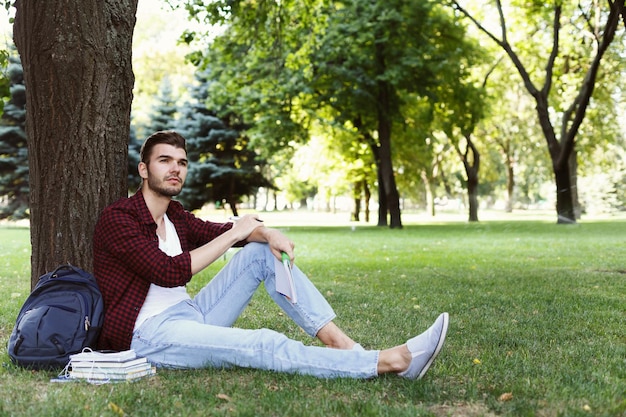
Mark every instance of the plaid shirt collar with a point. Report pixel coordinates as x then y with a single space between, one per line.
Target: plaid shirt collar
175 210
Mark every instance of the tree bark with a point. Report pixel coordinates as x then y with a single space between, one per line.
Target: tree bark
471 163
367 197
564 201
573 170
382 200
510 184
78 75
357 191
391 195
430 196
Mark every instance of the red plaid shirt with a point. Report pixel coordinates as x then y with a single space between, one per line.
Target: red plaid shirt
127 259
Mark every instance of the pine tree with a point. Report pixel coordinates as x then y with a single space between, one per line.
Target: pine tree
223 169
14 201
164 112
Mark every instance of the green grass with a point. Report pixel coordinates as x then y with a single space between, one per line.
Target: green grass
537 310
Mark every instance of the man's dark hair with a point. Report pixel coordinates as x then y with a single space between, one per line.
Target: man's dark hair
168 137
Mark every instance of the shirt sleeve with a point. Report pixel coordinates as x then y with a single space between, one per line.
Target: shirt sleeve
134 246
196 232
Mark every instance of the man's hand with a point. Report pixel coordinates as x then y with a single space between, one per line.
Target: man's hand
277 241
244 226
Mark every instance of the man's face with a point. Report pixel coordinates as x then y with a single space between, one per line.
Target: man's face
166 170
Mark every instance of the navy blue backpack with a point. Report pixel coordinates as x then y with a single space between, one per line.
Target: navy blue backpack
61 316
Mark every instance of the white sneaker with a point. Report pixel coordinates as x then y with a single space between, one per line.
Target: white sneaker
425 347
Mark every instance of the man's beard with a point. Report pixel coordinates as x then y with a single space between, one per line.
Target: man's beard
164 190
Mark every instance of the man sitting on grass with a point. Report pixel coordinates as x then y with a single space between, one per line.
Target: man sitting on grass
146 249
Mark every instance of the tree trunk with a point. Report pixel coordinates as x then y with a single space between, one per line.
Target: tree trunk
509 160
471 163
78 75
472 194
368 196
382 201
573 168
430 197
510 185
392 197
564 200
357 200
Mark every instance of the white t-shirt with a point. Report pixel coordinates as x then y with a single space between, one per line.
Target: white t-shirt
161 298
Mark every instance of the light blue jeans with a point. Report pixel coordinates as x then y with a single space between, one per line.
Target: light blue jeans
197 333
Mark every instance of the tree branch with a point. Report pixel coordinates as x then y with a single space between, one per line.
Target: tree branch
556 27
592 29
504 45
579 106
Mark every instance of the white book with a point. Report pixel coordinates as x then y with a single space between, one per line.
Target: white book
100 364
111 370
284 278
95 375
103 356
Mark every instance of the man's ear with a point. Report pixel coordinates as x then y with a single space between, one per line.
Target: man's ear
143 170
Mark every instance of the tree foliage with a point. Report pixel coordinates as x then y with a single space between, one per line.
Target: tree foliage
598 25
14 148
224 166
281 64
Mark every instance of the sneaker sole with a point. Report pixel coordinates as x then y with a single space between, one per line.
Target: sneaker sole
440 343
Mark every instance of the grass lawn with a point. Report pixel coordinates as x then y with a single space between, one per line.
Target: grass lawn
537 327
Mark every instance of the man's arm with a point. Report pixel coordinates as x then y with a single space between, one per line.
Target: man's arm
247 228
278 242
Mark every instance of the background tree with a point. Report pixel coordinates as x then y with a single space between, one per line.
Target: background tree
163 112
78 75
5 81
256 65
224 167
370 56
459 109
286 61
14 148
560 142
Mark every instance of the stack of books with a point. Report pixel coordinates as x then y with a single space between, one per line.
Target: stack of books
109 366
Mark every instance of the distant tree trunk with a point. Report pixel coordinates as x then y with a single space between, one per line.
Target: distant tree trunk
573 168
442 176
509 162
233 206
471 162
78 75
382 201
510 185
368 197
381 167
430 197
358 186
472 194
564 200
392 197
